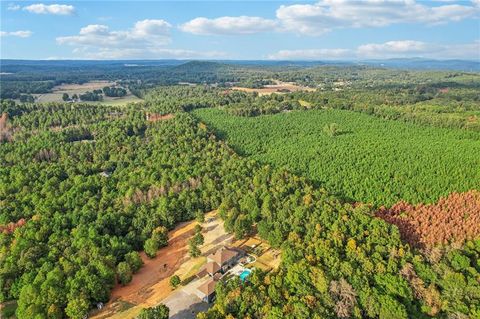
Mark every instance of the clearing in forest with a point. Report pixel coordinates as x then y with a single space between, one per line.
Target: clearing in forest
278 87
151 284
71 89
154 117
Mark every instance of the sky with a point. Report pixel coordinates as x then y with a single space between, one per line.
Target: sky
240 30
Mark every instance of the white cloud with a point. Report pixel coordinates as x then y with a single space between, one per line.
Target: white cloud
393 48
409 48
390 49
148 27
13 7
56 9
311 54
460 51
322 17
145 33
146 39
148 53
325 15
228 25
20 33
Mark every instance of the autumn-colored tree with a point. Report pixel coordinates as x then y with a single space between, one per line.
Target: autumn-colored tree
453 219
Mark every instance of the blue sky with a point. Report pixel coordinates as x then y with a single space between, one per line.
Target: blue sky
296 30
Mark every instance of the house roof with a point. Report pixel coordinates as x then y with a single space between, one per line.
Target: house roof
208 287
212 267
202 272
209 268
223 255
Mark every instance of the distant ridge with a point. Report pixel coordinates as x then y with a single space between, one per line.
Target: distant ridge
212 65
201 66
426 64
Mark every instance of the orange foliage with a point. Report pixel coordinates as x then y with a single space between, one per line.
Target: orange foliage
454 219
5 134
153 117
3 121
10 227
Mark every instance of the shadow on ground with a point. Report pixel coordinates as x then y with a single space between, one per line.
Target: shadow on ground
191 312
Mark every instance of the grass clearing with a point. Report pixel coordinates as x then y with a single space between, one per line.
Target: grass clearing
369 159
71 89
305 103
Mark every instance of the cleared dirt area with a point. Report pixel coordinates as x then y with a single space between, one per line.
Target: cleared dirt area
151 285
153 117
279 87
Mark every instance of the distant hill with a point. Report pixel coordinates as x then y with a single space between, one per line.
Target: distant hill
426 64
8 65
201 66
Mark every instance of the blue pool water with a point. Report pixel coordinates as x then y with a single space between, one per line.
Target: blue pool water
245 274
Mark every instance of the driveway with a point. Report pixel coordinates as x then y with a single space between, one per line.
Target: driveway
184 303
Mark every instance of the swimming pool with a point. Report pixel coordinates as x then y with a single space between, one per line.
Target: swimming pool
243 276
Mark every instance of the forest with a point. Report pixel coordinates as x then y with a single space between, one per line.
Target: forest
369 160
84 188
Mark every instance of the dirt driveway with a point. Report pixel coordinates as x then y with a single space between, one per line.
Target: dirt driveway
150 286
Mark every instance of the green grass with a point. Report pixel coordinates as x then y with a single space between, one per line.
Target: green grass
371 160
118 101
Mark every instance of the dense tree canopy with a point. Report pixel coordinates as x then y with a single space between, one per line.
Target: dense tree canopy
370 160
83 188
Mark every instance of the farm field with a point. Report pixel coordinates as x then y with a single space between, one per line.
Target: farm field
70 89
370 160
275 88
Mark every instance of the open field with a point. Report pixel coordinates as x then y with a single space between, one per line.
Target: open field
70 89
369 160
275 88
117 101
